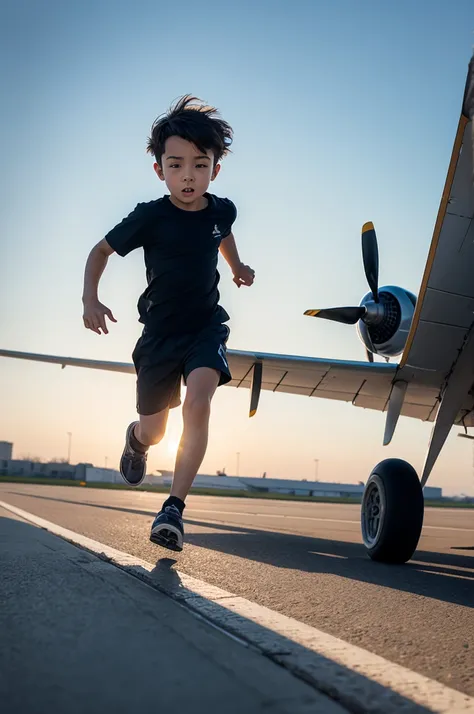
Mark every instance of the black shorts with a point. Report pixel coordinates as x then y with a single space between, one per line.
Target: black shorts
161 363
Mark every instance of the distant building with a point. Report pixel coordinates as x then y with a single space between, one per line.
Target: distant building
21 467
6 450
220 481
97 475
431 493
284 486
89 473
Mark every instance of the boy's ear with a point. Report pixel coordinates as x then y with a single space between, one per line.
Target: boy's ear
215 171
159 171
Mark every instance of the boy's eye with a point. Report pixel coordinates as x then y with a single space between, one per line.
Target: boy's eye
198 166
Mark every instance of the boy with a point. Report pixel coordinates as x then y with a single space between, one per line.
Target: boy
184 334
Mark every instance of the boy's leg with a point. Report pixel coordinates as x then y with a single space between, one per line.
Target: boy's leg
151 428
167 528
139 437
205 368
201 386
158 366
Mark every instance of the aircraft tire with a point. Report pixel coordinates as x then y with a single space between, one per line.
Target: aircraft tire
392 512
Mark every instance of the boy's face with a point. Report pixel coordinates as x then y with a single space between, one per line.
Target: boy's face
186 171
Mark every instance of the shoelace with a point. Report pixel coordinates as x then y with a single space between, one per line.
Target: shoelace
136 457
173 511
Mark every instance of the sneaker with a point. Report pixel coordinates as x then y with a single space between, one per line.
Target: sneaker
132 463
167 529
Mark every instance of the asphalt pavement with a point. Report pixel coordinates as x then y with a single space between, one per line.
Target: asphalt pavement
306 561
80 635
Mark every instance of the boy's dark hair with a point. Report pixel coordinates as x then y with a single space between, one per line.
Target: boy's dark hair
197 123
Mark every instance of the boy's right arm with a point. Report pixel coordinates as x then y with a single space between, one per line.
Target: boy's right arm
94 311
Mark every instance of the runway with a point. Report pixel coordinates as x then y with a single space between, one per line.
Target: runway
304 560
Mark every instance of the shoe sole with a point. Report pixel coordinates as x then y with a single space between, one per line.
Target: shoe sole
168 537
127 436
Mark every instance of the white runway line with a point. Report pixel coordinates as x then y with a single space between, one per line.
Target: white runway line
191 509
307 518
357 678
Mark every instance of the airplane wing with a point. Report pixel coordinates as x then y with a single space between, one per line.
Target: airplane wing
364 384
71 361
443 322
445 307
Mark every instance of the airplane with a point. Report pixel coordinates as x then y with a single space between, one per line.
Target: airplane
434 334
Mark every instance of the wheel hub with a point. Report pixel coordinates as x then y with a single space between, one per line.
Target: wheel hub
372 513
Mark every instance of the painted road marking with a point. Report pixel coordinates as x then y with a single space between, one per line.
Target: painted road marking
306 518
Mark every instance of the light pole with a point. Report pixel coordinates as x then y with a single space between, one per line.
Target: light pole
316 468
69 433
238 462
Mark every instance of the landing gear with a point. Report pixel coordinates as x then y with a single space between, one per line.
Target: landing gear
392 512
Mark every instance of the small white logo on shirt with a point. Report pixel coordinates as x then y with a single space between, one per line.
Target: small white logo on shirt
216 232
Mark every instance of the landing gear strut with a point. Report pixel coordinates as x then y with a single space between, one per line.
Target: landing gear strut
392 512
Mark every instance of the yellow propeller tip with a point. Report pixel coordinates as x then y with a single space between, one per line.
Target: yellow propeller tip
252 413
367 227
312 313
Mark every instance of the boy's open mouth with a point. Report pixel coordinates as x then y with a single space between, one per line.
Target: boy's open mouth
188 190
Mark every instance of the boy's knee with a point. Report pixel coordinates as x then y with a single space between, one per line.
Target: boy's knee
196 406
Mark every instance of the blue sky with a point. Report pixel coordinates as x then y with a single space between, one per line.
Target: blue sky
343 112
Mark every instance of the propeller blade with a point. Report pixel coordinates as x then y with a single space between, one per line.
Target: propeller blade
368 337
370 255
370 355
347 315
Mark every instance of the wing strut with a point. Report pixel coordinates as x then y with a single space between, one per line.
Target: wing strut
256 387
459 383
395 403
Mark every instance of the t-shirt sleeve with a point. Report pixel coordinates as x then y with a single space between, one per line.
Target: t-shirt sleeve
230 214
130 233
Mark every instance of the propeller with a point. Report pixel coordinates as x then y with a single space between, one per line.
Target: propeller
347 315
370 256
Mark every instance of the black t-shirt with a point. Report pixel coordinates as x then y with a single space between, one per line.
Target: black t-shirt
181 251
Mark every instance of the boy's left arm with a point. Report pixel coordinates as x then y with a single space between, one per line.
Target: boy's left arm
243 274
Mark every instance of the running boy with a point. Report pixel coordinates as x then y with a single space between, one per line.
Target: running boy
184 334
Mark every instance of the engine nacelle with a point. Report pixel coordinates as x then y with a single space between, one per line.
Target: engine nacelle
387 323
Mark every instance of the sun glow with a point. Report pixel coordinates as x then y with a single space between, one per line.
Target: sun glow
173 445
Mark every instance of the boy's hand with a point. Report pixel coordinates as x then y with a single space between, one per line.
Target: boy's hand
244 275
94 316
